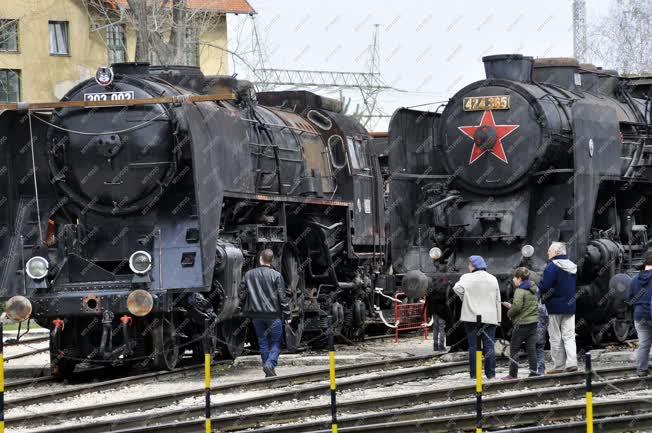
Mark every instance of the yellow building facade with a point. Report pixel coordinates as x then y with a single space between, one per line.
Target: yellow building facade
50 47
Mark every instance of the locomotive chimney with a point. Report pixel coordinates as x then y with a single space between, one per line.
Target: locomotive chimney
590 82
515 67
131 68
557 71
608 80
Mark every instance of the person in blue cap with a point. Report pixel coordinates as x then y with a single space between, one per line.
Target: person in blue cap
480 295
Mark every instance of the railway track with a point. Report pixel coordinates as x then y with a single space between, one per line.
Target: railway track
401 370
12 342
26 354
428 407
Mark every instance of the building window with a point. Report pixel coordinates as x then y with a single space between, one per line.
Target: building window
115 42
192 47
58 37
9 85
9 35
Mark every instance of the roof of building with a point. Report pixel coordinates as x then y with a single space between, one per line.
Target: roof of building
223 6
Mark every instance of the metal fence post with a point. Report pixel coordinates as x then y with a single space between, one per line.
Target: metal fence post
478 375
331 363
589 393
207 375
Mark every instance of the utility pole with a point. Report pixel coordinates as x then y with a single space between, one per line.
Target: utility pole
579 30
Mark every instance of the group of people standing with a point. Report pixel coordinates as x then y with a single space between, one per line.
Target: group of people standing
534 310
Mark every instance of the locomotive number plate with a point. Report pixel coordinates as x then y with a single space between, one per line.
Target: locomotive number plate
109 96
481 103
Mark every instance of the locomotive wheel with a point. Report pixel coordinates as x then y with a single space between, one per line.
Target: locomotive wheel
165 344
296 284
232 335
294 333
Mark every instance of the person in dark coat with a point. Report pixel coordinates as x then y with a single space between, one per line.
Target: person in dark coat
557 288
438 333
542 329
524 314
265 302
639 297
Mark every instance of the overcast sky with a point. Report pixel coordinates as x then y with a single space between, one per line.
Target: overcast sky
428 49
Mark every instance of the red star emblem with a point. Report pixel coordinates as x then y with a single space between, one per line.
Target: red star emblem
490 134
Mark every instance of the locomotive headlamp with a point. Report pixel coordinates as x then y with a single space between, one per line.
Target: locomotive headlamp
18 308
37 267
435 253
140 262
140 302
527 251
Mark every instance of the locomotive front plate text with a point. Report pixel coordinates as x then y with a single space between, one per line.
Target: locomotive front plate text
481 103
109 96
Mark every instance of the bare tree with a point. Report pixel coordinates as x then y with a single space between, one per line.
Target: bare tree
622 39
167 31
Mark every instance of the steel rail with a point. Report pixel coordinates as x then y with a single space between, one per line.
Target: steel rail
515 418
21 383
118 383
26 354
162 400
611 423
12 342
262 418
78 390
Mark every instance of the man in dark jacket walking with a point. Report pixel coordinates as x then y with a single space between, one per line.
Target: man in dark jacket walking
557 288
640 296
265 302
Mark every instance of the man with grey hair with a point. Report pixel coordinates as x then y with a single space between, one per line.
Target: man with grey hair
557 287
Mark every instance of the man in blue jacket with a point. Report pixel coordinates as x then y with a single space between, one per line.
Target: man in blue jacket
640 296
557 288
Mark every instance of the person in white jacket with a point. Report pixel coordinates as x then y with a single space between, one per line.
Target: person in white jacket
480 295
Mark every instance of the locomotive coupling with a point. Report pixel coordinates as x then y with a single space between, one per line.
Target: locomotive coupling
18 308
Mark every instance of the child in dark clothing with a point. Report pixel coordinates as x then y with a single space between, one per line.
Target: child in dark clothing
542 327
438 333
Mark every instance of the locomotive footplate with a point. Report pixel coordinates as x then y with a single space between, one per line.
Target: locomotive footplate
94 302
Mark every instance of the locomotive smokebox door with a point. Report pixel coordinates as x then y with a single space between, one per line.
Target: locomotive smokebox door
490 137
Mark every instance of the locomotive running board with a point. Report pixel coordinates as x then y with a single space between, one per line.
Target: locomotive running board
287 198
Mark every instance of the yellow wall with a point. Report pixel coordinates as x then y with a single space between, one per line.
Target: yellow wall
48 78
214 61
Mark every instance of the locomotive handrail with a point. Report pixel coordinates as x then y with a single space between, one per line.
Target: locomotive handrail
178 99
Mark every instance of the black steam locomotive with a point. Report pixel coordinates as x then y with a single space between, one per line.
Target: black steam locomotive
540 151
127 227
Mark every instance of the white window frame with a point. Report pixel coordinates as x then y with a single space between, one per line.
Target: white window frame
116 44
59 32
6 31
4 82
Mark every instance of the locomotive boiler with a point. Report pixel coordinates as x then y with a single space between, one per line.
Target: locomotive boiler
127 227
541 150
